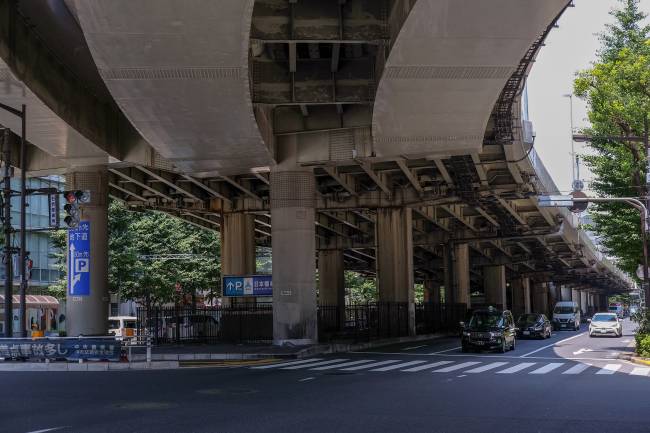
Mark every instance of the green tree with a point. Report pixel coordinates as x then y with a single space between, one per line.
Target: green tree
143 254
617 92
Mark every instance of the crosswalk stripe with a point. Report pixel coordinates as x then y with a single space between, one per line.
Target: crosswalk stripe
640 371
284 364
517 368
547 368
577 369
345 364
427 366
374 364
455 367
487 367
397 366
609 369
315 364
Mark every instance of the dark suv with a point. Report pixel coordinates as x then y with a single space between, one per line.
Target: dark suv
489 329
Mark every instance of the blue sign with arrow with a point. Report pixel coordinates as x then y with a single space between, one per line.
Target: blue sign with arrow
248 285
79 260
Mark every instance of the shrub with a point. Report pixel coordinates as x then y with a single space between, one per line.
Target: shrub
643 344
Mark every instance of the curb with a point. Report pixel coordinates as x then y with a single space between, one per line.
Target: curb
640 360
89 366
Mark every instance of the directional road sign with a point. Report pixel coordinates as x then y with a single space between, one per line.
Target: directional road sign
79 260
555 201
247 285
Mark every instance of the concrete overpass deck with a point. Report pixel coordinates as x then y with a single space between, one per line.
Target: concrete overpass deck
372 130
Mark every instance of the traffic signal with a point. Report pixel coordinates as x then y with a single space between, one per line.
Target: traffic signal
71 207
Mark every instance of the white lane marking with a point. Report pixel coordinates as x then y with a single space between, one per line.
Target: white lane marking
284 364
609 369
483 368
374 364
627 340
398 366
552 344
640 371
315 364
581 351
414 347
427 366
47 429
443 351
548 367
517 368
345 364
614 354
577 369
305 379
456 367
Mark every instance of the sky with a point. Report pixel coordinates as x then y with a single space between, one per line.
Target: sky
569 48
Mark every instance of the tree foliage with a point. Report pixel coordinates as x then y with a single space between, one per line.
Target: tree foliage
617 91
143 257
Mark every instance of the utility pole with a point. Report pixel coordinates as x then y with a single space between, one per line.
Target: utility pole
23 224
9 314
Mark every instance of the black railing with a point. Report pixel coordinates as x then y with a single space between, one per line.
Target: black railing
254 323
245 323
363 322
431 318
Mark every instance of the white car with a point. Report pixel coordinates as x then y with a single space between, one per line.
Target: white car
605 324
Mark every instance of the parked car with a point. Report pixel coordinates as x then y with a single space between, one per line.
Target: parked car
566 315
605 324
534 325
489 329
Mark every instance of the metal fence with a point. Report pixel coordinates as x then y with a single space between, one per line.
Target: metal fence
254 322
363 322
245 323
431 318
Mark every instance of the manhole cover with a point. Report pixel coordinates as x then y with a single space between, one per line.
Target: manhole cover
227 391
143 405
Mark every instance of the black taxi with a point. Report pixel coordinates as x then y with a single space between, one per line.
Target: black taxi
489 329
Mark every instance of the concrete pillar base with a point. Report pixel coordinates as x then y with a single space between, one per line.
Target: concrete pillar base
494 284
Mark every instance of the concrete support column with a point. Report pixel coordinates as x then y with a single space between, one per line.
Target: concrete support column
294 247
395 258
520 296
583 302
494 284
431 291
461 275
575 296
540 298
87 310
565 293
237 246
331 278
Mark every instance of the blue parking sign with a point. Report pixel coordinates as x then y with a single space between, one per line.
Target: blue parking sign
248 285
79 260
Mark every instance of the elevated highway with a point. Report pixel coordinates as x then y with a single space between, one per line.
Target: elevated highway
383 136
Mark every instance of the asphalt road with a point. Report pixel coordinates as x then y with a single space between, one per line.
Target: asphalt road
570 383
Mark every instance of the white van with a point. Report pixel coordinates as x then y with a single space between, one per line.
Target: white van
122 326
566 315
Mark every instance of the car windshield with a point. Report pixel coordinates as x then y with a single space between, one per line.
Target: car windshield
563 310
113 324
604 318
485 320
528 319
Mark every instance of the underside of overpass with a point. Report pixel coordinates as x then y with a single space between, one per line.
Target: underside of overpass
381 136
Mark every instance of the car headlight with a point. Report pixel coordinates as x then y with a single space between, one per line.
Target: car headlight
466 334
538 328
496 334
